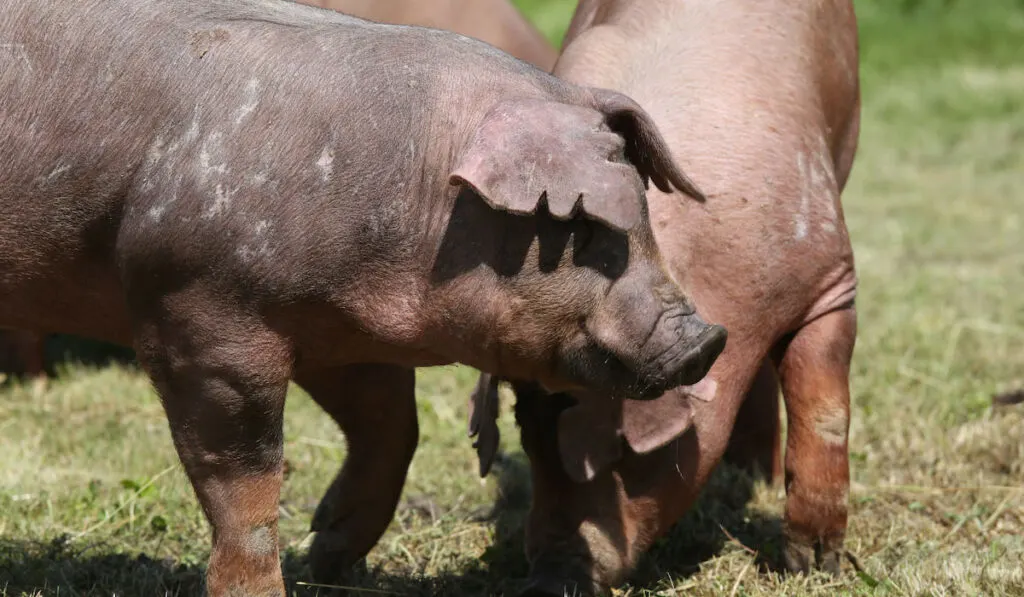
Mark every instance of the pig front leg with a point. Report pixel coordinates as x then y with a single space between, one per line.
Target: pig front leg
375 406
222 377
814 370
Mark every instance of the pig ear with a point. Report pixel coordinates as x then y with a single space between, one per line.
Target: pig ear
645 147
590 433
483 420
588 438
528 151
651 424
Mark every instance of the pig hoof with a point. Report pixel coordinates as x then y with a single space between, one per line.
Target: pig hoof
801 557
331 561
798 557
828 561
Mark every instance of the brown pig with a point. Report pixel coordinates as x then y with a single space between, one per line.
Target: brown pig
496 22
761 102
208 182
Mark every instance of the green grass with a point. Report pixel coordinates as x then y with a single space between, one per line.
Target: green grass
93 502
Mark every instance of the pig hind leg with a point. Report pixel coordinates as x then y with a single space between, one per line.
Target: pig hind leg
755 443
814 368
222 378
375 407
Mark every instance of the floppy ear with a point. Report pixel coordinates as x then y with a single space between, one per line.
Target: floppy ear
645 147
483 420
526 151
590 433
651 424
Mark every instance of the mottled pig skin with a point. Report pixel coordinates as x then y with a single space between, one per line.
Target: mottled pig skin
496 22
255 191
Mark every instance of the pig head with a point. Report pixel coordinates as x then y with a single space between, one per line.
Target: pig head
527 156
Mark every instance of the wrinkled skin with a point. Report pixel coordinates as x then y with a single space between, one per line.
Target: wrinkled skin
496 22
211 185
760 100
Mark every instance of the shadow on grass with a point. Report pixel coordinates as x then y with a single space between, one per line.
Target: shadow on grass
64 568
501 570
61 568
719 517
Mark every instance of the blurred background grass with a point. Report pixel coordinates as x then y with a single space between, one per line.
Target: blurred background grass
93 502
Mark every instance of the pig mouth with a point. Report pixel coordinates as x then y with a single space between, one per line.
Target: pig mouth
685 362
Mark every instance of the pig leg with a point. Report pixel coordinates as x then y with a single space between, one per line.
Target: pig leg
814 371
223 383
375 407
755 444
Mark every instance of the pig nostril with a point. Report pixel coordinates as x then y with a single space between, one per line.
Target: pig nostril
701 355
718 337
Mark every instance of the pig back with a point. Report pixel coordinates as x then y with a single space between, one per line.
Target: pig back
496 22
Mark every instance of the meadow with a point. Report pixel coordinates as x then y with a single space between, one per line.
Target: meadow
94 502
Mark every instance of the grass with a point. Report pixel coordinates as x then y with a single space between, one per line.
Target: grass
93 502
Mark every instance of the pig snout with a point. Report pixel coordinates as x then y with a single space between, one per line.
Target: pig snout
657 337
586 563
686 347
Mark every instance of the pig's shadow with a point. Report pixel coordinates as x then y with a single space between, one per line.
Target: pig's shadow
59 566
501 570
62 566
719 517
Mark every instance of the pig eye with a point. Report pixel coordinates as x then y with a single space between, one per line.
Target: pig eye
598 247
